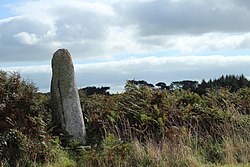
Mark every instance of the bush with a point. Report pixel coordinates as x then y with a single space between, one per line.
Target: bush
144 113
144 126
24 137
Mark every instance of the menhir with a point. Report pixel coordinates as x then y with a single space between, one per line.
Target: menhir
67 112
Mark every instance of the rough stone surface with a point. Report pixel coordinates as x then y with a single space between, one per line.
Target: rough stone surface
67 112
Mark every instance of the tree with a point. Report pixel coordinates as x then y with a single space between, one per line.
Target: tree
186 85
162 85
96 90
232 82
140 83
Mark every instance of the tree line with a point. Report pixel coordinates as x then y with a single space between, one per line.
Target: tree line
231 82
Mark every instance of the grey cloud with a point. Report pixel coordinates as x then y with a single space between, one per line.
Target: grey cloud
24 53
74 25
126 27
242 3
13 26
78 29
13 49
163 17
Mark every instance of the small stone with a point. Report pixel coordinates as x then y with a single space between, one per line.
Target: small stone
81 148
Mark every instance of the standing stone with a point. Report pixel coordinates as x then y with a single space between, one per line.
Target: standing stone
67 112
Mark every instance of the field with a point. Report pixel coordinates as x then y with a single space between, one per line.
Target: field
143 126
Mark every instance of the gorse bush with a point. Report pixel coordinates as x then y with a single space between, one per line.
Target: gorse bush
23 132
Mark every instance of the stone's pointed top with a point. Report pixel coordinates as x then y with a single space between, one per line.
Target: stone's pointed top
62 56
62 52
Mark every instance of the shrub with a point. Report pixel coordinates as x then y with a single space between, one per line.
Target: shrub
24 137
144 113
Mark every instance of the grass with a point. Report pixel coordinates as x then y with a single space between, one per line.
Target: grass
63 159
178 153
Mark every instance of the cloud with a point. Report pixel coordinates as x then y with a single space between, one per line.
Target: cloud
42 27
151 69
164 17
108 28
26 38
210 41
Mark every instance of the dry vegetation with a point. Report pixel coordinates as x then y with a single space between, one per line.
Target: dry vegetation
143 126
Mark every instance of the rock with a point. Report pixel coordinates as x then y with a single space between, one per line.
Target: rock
67 112
82 148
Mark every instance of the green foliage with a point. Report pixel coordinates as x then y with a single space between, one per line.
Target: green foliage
143 112
95 90
23 131
144 126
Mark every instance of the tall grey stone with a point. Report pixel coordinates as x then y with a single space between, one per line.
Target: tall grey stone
67 112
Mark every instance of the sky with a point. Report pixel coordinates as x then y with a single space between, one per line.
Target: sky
112 41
